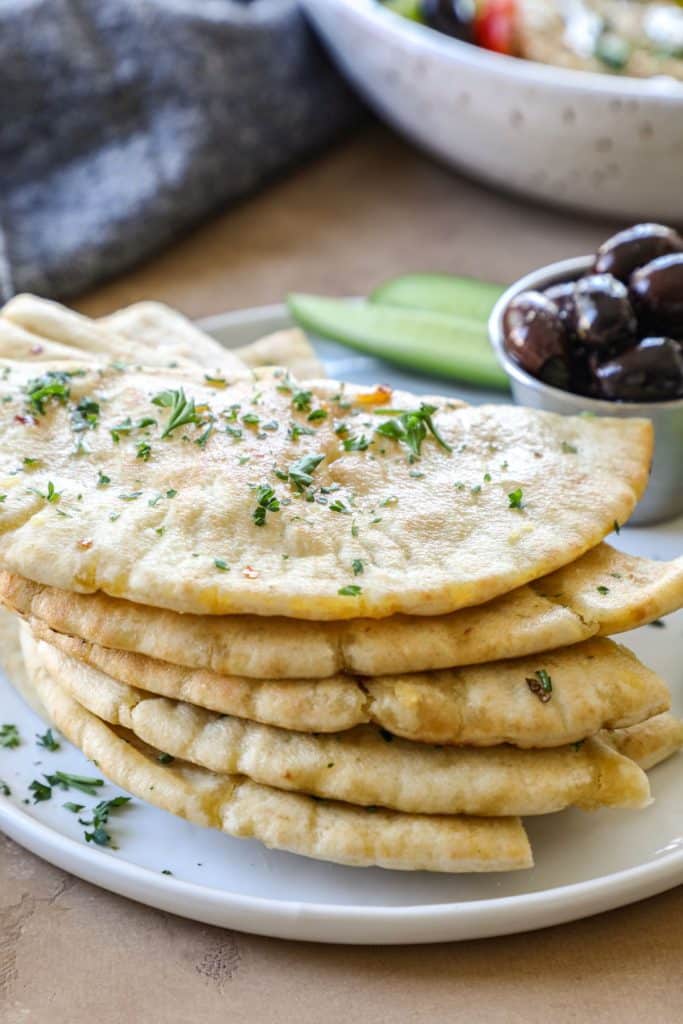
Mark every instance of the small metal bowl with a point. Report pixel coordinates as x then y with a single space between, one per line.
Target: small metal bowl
663 498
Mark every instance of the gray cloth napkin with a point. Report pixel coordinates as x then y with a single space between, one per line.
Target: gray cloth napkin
123 122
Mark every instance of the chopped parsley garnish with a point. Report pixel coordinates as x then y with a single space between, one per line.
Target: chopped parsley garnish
182 409
31 463
50 495
213 381
221 564
40 390
541 685
40 791
203 438
4 788
340 506
357 566
84 783
171 492
295 430
356 444
301 471
165 758
100 817
9 736
487 478
317 415
351 590
476 489
267 501
602 590
143 451
74 808
411 428
301 400
131 496
103 479
86 415
251 419
127 426
48 741
515 498
569 449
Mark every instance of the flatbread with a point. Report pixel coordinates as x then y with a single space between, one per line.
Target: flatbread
595 684
286 821
648 743
158 325
524 622
31 327
423 542
364 765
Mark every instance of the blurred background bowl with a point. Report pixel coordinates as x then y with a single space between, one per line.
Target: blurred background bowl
664 496
601 143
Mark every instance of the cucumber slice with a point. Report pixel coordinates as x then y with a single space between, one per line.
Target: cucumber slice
430 342
440 293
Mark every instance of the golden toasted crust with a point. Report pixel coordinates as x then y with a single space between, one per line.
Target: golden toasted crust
553 612
363 765
595 684
287 821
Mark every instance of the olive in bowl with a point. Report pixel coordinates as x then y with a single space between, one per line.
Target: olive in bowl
621 356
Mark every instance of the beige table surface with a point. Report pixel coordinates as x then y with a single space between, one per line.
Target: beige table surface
71 953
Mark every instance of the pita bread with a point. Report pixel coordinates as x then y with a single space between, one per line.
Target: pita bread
286 821
158 325
40 328
595 684
434 549
648 743
364 765
524 622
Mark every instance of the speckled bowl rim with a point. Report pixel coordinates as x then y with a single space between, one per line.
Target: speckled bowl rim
557 273
660 88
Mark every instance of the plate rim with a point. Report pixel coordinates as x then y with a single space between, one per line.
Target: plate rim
355 924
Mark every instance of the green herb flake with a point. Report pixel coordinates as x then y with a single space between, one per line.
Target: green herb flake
74 808
131 496
301 400
317 415
568 449
222 565
301 472
165 758
171 493
602 590
411 428
340 506
356 444
86 415
658 623
357 566
48 741
515 498
84 783
266 501
9 736
351 590
541 685
103 479
40 791
4 788
143 451
182 409
52 385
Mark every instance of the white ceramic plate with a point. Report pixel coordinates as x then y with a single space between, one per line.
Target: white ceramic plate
585 863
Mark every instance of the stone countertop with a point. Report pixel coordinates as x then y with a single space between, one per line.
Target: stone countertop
73 954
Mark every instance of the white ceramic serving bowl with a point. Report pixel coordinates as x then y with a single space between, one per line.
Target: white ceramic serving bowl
602 143
664 496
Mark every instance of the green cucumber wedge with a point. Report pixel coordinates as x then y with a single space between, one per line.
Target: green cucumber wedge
440 293
429 342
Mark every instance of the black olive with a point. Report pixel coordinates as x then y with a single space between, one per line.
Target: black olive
536 337
603 316
564 297
621 254
452 17
657 291
650 372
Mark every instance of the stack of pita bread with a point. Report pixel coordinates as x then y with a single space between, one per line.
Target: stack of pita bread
356 624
